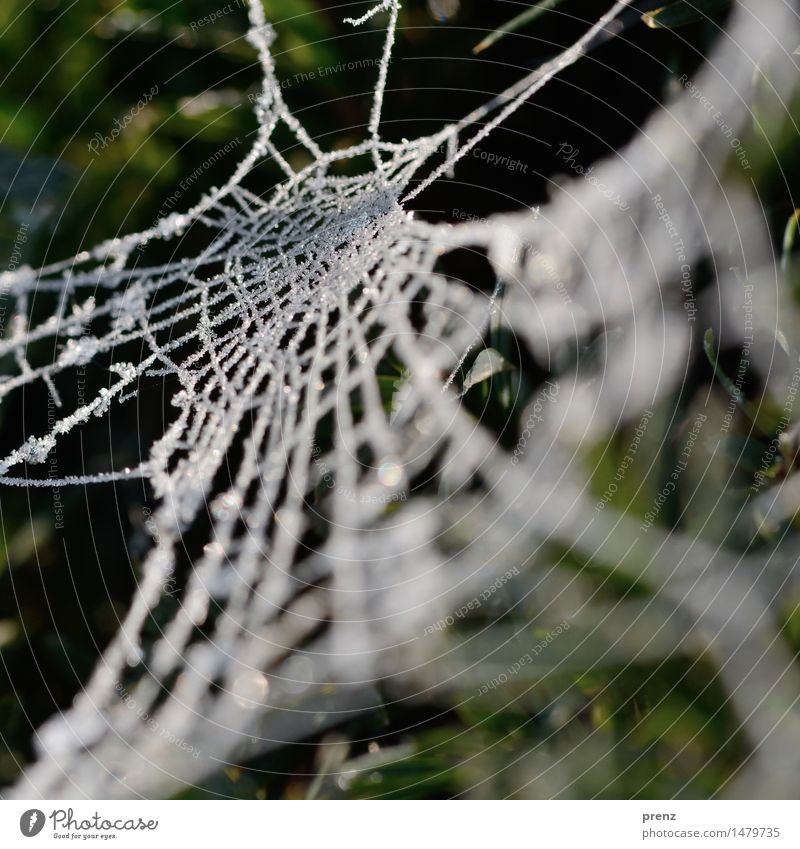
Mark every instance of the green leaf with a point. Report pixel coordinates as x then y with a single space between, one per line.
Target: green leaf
790 239
521 20
684 12
487 364
500 341
749 409
711 353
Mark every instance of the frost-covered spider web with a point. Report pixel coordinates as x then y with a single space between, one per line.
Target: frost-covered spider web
347 522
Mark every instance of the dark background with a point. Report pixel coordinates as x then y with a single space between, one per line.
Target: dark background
67 71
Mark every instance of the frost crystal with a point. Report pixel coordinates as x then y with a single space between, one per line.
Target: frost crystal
273 334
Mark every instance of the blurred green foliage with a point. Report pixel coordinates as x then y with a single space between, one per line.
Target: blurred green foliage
69 72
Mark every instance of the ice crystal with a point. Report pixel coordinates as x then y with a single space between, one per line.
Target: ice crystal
273 334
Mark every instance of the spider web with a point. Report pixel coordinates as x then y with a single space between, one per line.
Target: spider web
324 555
